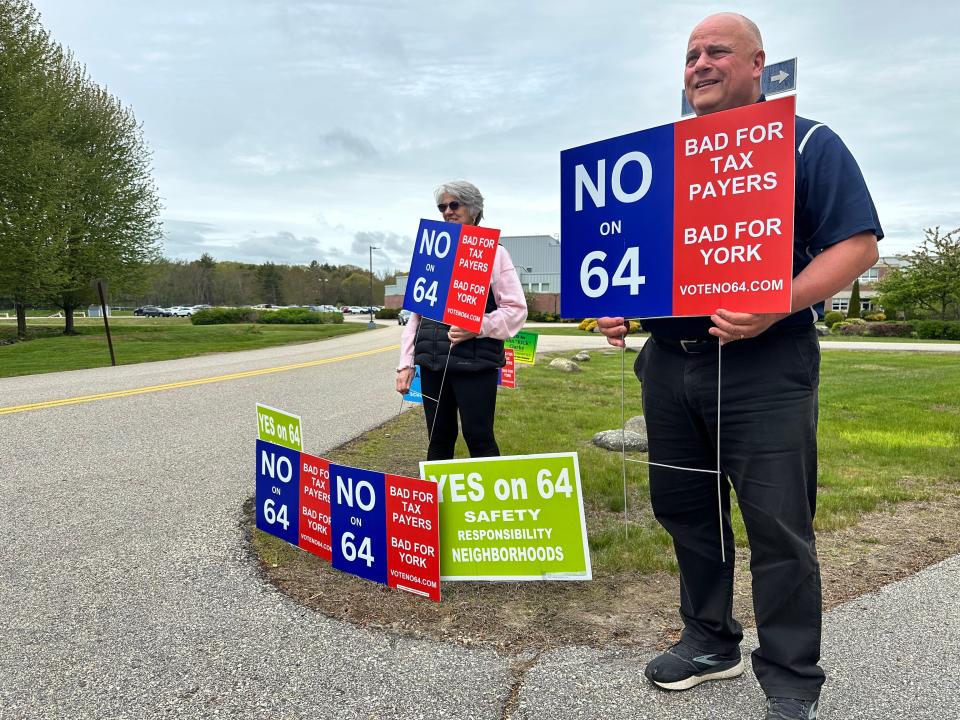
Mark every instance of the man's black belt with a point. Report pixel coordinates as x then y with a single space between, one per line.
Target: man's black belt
693 346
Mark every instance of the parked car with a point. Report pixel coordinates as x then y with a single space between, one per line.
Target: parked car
151 311
403 317
181 311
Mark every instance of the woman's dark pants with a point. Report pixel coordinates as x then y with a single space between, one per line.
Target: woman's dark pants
472 395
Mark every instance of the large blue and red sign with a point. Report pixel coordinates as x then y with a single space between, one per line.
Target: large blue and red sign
450 273
681 219
378 526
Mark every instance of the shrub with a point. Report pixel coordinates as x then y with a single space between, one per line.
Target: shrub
591 326
387 314
833 317
890 329
875 317
938 329
849 327
585 323
634 326
289 316
538 316
331 318
224 316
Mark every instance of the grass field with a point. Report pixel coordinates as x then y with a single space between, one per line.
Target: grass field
889 433
141 340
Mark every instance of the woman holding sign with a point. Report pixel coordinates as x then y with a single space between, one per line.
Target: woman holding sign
459 368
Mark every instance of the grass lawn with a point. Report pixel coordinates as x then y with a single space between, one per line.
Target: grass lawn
889 433
142 340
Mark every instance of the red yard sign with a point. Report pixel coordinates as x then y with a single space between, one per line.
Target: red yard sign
733 210
315 505
508 377
413 536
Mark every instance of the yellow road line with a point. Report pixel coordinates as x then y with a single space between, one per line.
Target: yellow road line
187 383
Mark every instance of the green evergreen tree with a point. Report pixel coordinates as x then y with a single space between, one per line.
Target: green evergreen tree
854 310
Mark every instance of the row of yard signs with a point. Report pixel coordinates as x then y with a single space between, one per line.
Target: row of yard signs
505 518
378 526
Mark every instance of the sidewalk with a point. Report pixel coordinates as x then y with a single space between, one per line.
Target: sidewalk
889 654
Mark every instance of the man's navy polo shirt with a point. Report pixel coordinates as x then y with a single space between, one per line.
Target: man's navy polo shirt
832 204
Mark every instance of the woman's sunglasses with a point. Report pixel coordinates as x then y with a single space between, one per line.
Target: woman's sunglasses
455 205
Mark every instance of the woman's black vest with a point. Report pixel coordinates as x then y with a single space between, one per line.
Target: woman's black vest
432 346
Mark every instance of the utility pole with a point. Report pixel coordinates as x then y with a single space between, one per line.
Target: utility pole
371 325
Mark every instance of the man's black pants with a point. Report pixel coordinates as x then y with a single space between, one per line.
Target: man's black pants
471 394
768 452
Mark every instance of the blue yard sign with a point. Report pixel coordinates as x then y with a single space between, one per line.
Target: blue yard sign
616 215
415 393
278 491
358 522
434 253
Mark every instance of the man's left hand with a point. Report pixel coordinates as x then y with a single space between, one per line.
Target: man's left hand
731 326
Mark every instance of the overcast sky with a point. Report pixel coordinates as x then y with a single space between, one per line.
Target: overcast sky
291 130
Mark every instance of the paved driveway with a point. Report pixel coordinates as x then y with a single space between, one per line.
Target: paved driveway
128 591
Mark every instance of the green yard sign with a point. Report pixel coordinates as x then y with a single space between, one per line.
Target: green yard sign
524 346
279 427
511 518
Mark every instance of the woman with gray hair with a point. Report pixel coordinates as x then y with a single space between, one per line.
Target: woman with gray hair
458 368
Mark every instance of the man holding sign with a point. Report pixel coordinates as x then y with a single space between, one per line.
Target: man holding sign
459 367
770 374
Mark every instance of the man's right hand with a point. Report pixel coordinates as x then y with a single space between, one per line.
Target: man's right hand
614 328
404 378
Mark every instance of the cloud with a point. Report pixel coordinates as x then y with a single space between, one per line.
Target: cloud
185 239
264 113
396 250
347 144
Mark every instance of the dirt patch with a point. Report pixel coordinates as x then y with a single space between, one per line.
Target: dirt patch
622 609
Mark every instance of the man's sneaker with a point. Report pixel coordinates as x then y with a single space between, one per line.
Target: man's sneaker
779 708
683 666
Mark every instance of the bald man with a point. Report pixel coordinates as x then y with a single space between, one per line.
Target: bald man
768 445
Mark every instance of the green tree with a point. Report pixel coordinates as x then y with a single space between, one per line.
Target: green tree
109 212
271 283
930 282
31 101
853 310
206 268
77 201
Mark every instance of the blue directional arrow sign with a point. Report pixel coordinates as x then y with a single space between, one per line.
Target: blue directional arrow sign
778 78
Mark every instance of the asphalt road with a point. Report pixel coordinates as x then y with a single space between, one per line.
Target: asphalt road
128 592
